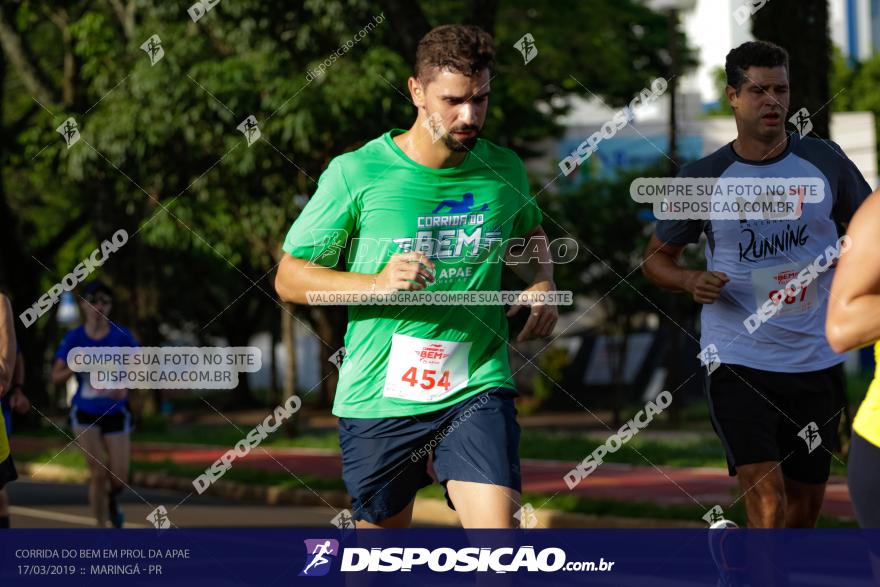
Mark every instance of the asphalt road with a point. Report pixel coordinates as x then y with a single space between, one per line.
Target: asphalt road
63 505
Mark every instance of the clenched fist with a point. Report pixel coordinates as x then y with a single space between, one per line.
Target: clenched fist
406 272
706 286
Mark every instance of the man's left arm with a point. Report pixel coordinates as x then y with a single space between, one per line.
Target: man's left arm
533 263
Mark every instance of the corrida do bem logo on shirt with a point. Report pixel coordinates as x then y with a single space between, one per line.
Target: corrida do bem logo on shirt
454 231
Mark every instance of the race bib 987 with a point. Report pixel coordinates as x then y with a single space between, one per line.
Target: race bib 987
769 283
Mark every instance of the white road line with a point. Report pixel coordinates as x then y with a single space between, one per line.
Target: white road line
59 517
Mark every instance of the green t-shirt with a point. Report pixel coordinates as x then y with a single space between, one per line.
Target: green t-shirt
376 201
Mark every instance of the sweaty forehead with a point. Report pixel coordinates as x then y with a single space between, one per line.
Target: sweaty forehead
450 83
766 76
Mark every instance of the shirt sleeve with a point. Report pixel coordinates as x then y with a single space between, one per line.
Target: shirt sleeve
132 341
320 232
529 215
680 232
64 347
852 190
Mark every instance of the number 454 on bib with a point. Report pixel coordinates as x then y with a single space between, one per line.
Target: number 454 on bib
425 370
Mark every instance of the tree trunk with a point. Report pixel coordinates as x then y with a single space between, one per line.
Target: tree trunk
677 309
617 369
325 334
787 23
331 323
274 384
15 46
238 332
288 336
409 23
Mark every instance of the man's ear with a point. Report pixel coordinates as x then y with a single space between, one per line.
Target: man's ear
417 92
732 95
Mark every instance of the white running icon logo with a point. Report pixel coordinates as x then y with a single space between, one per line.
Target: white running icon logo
319 558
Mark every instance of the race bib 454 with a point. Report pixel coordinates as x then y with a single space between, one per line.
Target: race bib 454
425 370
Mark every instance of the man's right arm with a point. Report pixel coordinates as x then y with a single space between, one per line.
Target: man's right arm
661 265
404 271
60 372
296 277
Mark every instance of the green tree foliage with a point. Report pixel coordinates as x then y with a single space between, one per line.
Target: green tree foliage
160 154
854 87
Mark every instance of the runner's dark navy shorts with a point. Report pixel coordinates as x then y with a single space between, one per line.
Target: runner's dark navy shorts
108 424
385 460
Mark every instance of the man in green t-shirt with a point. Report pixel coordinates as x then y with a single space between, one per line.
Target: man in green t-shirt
430 209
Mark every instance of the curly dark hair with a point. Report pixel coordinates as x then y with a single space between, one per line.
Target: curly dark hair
465 49
752 54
